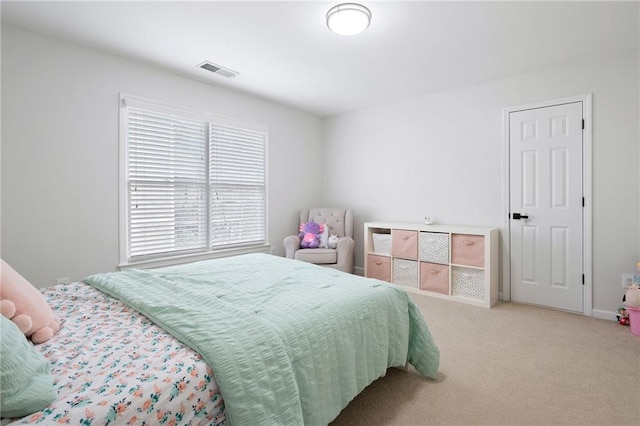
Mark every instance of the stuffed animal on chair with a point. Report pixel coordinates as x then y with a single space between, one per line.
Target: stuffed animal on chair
310 234
23 304
332 242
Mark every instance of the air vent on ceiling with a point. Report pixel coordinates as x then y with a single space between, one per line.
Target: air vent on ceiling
217 69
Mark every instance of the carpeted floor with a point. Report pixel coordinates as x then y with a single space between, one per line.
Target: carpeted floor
513 364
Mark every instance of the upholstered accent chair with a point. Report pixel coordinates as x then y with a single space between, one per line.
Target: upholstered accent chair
340 222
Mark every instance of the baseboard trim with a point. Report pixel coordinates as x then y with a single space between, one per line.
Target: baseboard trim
606 315
596 313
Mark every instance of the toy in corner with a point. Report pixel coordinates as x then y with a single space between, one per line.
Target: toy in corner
623 315
631 299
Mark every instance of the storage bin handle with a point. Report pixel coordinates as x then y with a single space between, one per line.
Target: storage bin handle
433 272
468 243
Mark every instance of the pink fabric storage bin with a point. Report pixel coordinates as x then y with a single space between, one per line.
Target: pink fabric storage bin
379 267
404 244
467 250
434 277
634 319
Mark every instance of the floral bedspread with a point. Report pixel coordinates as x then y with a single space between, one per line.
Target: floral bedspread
112 365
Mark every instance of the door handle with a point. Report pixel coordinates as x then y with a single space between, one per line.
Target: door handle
519 216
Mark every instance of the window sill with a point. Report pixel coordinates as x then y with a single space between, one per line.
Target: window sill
187 258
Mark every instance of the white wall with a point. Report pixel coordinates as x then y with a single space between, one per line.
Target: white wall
442 155
395 162
60 152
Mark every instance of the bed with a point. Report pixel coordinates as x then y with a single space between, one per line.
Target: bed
246 340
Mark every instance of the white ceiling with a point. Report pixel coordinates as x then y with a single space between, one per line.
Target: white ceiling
284 51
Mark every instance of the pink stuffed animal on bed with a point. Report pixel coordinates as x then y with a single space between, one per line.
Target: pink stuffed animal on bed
23 304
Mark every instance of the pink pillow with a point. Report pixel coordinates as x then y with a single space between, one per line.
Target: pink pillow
23 304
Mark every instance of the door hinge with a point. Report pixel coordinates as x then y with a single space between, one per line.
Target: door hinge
582 279
583 124
582 201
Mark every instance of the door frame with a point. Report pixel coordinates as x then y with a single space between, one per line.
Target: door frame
587 268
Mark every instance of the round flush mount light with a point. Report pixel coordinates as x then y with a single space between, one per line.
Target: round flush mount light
348 19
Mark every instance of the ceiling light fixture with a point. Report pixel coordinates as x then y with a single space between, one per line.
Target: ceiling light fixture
348 19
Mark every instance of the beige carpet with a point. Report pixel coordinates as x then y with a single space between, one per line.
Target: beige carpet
511 365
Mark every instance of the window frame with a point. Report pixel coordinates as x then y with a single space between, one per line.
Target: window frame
125 261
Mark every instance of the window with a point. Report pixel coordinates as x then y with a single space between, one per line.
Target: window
190 183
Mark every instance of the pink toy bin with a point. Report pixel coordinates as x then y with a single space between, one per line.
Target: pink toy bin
634 319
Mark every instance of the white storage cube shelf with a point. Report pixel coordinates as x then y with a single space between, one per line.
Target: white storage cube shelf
468 283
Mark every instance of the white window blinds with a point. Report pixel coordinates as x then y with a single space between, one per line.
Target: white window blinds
237 185
193 185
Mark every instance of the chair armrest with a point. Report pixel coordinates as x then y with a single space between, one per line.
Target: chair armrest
345 254
291 245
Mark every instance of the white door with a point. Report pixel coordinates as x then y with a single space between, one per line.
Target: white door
546 206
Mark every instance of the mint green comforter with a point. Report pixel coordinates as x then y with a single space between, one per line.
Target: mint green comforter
290 343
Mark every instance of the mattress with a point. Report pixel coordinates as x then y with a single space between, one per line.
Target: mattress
112 365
